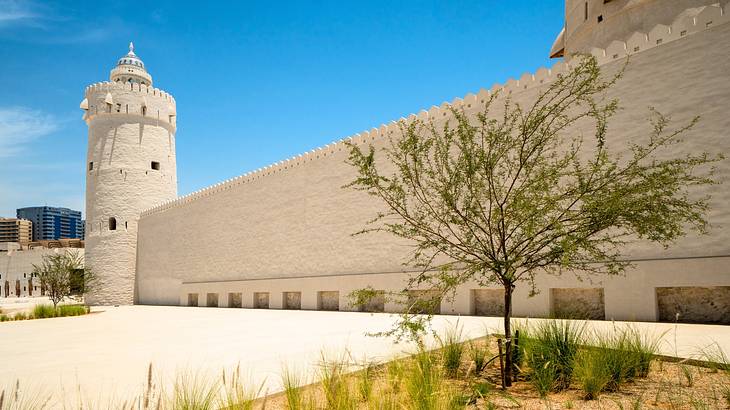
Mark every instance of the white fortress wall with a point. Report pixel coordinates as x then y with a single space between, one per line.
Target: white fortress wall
288 227
16 269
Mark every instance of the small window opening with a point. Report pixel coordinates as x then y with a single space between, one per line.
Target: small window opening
144 110
600 18
119 107
155 165
125 224
112 224
659 41
683 33
585 11
91 166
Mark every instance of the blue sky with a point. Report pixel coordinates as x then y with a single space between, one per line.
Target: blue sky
255 82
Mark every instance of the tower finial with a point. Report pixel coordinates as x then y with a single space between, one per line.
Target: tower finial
131 47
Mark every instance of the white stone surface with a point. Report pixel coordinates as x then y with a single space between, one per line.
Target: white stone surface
130 126
107 353
289 227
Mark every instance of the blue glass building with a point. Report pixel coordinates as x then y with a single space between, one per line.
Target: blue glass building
51 223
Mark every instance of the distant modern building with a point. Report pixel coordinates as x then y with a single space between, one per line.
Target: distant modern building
50 223
15 230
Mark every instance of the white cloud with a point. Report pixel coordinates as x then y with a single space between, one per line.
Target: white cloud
12 11
19 126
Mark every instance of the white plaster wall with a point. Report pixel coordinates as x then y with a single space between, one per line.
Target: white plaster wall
293 220
122 145
18 265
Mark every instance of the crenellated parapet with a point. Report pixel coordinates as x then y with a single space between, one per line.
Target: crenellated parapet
128 98
686 23
689 22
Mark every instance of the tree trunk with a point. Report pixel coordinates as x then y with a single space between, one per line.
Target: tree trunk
508 334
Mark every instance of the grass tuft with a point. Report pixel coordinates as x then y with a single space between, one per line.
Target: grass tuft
452 349
550 351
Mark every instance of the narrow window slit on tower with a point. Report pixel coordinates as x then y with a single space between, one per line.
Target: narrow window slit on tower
91 166
155 165
112 224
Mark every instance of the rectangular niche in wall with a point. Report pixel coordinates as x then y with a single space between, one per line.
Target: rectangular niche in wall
235 300
328 300
577 303
376 304
292 300
211 300
261 300
694 304
487 302
426 302
192 299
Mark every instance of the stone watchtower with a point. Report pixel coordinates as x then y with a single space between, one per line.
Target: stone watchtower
130 166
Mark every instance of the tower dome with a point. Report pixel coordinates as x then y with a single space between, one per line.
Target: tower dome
130 68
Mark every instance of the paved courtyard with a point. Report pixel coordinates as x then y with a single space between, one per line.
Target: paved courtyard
106 354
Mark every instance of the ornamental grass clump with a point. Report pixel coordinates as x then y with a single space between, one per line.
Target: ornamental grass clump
291 381
335 384
479 354
591 373
194 392
423 378
72 310
44 311
550 352
452 350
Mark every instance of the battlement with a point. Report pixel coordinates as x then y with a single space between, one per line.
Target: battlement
689 22
686 23
108 86
111 98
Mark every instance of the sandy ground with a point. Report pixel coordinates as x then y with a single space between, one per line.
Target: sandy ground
106 353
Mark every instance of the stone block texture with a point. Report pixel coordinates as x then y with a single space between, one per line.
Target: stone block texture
292 300
694 304
578 303
329 300
235 300
261 300
488 302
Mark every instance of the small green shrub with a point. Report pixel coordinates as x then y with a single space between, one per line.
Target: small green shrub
5 318
44 311
452 350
